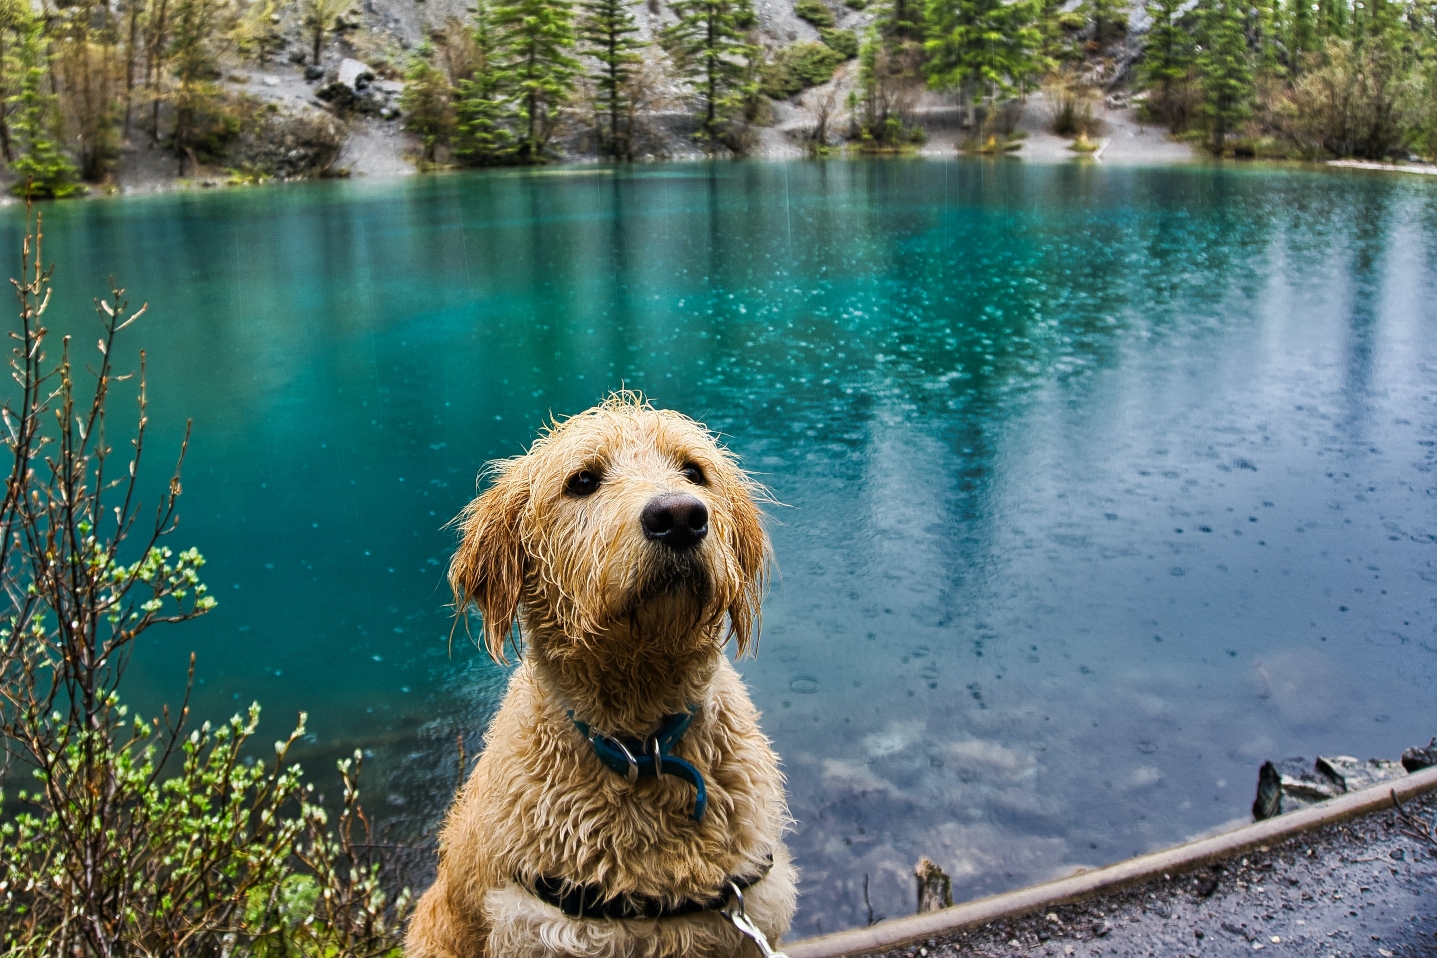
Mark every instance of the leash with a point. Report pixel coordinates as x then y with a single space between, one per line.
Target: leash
735 913
633 758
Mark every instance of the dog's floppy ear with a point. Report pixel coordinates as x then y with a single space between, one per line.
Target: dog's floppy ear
755 555
488 568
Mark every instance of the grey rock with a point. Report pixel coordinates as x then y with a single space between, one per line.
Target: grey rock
1354 775
313 71
1268 802
1291 783
354 74
338 95
289 146
1415 759
1206 885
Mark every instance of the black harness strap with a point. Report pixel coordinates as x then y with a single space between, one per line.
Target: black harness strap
588 901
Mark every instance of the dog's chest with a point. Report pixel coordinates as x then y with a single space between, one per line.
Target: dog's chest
580 821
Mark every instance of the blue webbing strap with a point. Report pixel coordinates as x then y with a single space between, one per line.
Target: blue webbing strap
631 756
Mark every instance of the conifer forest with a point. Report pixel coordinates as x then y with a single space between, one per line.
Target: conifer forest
531 81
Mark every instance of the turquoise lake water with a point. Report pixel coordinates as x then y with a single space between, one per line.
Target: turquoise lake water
1101 485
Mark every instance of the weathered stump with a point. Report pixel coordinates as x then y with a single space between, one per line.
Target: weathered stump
935 889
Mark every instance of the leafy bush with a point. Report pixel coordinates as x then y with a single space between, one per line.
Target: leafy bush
798 66
1363 101
815 12
1070 107
44 171
135 837
842 42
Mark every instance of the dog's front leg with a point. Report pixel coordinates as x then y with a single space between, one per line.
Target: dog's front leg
442 928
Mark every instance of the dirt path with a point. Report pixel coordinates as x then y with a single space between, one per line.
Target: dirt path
1367 887
1125 139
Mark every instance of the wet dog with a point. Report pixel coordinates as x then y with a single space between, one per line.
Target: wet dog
626 794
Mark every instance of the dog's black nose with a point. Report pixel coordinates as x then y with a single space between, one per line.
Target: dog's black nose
678 520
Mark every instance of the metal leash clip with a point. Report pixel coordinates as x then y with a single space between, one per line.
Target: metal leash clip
735 913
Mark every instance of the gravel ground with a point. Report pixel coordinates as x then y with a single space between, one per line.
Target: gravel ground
1367 887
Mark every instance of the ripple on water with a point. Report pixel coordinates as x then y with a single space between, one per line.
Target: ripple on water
990 397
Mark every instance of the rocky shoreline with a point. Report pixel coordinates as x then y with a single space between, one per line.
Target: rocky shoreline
375 145
1354 886
1359 888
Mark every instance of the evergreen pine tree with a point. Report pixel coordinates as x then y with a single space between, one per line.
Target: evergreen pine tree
1385 20
1224 66
890 65
1332 19
259 32
709 45
1167 63
43 170
84 76
319 17
1168 54
864 100
427 102
1304 35
195 64
1268 35
14 21
607 30
981 48
1108 17
1058 35
536 36
900 20
483 106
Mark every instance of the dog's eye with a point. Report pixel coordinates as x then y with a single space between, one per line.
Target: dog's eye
693 473
585 482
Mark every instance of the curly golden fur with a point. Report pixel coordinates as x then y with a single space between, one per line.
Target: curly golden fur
621 631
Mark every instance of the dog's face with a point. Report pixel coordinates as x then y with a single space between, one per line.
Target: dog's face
622 525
